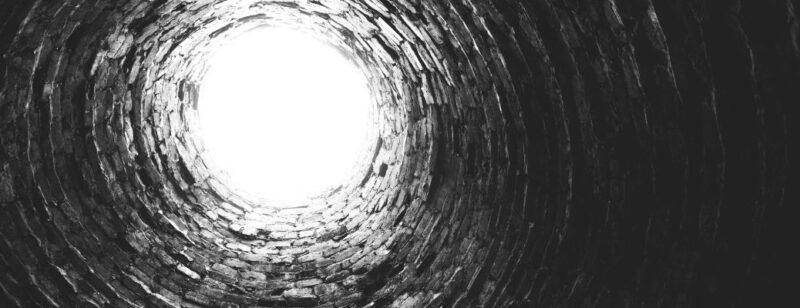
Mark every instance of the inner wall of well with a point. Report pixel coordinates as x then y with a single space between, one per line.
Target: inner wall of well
526 153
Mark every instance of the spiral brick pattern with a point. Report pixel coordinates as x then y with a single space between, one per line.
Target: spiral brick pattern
526 153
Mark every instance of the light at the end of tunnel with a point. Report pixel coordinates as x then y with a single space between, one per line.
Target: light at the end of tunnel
284 115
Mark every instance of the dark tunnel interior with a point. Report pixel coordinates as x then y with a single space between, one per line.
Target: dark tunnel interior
526 153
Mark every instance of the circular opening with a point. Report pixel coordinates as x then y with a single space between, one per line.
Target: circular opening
283 115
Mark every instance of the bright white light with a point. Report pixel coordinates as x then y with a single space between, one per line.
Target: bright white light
284 115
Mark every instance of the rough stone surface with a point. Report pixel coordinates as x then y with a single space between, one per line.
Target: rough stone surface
526 153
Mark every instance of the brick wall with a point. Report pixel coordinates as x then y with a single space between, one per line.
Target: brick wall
527 153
